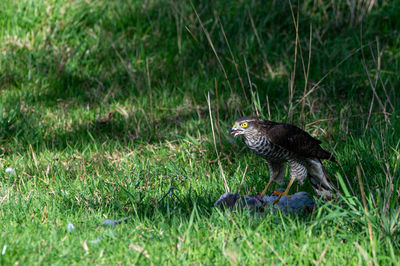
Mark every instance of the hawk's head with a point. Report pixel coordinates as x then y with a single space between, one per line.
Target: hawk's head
246 126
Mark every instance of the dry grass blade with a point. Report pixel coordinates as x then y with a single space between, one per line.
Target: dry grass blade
34 158
85 246
127 66
303 103
244 175
215 145
241 232
371 237
293 76
140 250
234 61
194 37
261 44
364 254
251 87
379 65
333 69
213 48
268 109
394 225
272 248
149 86
322 255
373 87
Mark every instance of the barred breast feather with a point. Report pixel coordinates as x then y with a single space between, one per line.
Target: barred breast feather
264 148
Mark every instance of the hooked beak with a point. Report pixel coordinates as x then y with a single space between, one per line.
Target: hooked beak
235 131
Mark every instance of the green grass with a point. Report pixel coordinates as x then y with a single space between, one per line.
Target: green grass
64 65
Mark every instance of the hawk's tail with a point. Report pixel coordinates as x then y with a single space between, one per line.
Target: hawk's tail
320 180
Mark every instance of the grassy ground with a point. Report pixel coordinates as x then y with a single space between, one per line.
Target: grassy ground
103 109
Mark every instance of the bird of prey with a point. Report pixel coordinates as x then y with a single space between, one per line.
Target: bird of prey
279 144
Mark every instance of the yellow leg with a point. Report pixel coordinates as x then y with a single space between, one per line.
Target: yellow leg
286 191
266 188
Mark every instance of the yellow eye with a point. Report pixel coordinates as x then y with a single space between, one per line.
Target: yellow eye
234 125
244 124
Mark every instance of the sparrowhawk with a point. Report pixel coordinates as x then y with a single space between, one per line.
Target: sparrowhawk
279 144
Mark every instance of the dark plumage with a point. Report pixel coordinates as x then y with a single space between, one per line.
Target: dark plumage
279 143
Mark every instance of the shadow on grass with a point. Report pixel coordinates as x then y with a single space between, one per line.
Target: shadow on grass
108 53
179 204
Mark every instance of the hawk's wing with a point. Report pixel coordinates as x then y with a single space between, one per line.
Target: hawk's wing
297 141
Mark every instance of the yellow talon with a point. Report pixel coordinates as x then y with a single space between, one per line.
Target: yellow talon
279 196
284 193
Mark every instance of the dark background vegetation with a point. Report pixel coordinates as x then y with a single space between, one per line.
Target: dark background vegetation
98 54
